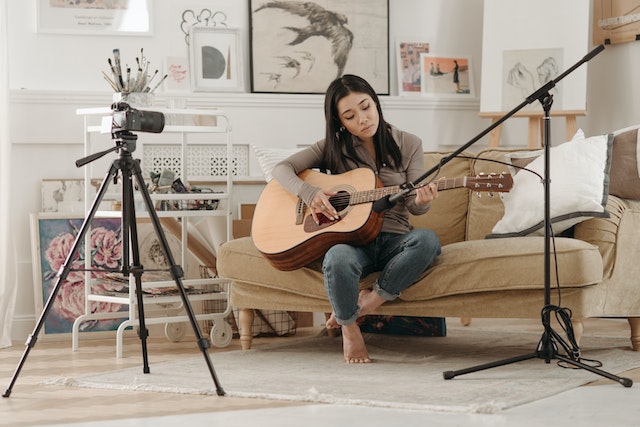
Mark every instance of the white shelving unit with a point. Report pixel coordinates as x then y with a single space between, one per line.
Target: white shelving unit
98 120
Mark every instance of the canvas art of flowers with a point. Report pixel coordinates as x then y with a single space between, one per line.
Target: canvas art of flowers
56 238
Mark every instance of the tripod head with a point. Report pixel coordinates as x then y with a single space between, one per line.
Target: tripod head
124 120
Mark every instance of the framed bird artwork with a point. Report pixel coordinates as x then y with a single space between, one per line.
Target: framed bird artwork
301 46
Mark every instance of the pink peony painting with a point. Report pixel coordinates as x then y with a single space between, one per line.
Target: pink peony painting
55 237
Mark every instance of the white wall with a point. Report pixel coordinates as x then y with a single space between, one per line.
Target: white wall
51 75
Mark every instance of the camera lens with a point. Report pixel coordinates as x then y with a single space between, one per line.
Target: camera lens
147 121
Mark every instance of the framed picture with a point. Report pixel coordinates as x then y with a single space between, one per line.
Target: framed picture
53 235
64 195
408 65
102 17
526 70
446 75
52 238
300 47
215 59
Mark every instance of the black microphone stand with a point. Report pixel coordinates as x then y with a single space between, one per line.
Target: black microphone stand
547 348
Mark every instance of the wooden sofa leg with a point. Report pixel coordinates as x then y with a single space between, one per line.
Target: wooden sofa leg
634 322
578 329
246 316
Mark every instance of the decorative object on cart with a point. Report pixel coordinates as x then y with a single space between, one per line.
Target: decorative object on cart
51 237
134 86
300 47
166 183
408 66
216 59
124 169
133 17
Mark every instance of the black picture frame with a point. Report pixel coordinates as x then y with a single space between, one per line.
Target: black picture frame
300 47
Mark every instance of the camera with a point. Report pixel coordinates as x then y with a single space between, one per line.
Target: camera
126 118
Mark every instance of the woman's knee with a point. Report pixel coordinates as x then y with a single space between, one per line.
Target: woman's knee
339 257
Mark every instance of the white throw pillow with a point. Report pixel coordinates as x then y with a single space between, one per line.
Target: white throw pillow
579 174
268 157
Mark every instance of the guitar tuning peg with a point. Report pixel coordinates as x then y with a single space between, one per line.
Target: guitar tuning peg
501 195
490 194
478 194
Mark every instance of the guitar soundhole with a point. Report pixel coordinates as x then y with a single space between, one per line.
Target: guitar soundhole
340 201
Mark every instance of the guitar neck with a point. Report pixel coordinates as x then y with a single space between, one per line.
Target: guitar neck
378 193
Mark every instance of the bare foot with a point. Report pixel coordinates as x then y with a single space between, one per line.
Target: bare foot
353 345
332 323
369 301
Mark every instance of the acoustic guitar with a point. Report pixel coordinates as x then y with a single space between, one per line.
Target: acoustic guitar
284 231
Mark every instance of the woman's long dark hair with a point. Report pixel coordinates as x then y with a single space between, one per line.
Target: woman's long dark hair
336 136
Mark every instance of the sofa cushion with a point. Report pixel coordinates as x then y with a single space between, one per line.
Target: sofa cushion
268 157
625 168
448 213
579 188
239 259
515 263
462 268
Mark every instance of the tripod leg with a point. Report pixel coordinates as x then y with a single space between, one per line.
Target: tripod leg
130 234
61 276
176 273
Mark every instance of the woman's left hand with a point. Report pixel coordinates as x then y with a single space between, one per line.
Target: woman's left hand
426 194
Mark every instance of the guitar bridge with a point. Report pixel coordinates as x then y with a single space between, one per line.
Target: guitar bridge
300 208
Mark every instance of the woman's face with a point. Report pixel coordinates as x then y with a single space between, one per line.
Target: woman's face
359 115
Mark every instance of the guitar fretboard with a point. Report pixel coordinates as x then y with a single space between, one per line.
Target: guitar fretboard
378 193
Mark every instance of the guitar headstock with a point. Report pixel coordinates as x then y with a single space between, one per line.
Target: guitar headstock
492 182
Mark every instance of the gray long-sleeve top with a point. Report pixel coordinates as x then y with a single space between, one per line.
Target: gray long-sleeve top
396 220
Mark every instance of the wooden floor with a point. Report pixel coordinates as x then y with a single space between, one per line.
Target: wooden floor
33 403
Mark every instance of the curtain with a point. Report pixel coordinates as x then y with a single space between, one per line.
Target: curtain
8 284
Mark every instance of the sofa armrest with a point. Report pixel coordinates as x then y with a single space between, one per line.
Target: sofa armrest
616 236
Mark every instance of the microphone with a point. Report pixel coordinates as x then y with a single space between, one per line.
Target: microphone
383 204
388 202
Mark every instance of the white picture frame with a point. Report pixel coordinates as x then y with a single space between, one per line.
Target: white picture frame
98 17
215 59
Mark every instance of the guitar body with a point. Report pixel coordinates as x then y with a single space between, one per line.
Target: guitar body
283 229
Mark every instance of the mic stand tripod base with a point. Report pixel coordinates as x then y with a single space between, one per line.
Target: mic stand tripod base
547 350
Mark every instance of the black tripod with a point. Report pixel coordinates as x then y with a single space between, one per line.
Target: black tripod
547 348
129 168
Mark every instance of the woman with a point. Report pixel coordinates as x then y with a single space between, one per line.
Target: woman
357 136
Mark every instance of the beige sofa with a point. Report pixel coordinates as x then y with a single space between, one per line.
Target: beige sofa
598 268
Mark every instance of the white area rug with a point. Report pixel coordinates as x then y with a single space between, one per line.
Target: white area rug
406 373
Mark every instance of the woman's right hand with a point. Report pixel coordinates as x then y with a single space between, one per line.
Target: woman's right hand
321 204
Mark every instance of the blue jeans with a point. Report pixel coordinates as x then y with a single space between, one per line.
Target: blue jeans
401 258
